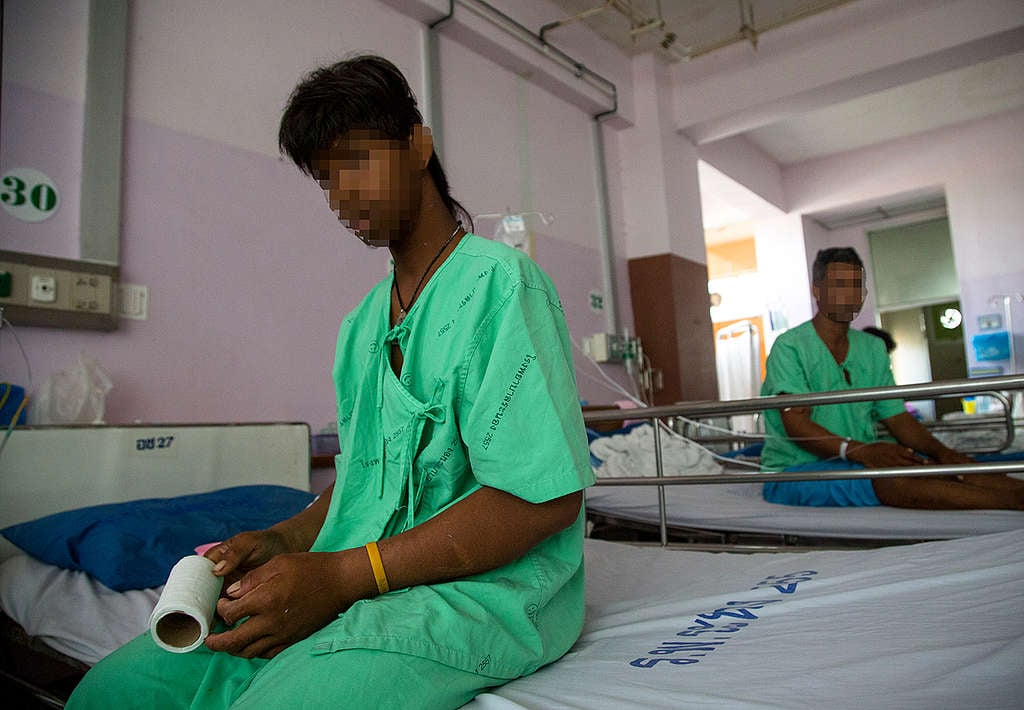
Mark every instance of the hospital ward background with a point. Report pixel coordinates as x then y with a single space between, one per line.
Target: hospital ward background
171 289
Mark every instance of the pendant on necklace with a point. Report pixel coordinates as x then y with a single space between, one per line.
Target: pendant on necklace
401 316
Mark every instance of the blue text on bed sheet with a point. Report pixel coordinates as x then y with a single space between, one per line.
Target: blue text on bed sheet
718 621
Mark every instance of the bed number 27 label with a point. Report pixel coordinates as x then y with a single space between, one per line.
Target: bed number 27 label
154 443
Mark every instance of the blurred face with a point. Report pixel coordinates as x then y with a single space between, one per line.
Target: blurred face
841 294
373 183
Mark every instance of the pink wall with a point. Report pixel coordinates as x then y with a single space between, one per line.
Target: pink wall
249 276
248 272
48 130
247 284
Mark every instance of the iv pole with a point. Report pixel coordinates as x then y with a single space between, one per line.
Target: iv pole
1008 322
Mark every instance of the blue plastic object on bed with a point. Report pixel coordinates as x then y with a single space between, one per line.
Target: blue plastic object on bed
748 451
133 545
11 397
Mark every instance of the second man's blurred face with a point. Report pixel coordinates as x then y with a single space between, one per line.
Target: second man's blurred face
841 294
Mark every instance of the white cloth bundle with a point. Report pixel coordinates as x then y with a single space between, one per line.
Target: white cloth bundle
632 454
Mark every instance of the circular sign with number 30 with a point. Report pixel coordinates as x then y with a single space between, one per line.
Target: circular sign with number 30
28 194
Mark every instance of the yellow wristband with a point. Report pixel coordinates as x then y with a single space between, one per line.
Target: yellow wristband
378 567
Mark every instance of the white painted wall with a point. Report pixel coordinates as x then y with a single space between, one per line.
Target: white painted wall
857 48
661 188
781 259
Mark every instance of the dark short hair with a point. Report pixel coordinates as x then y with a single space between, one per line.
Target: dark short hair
833 255
361 92
890 344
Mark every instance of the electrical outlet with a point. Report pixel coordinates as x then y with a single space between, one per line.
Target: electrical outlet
609 347
49 289
57 293
90 292
134 301
44 288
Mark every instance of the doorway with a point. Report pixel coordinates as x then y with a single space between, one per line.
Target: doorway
929 347
918 298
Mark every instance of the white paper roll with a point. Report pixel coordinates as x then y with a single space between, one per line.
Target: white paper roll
184 613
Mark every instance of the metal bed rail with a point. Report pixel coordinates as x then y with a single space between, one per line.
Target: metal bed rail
1005 422
756 404
746 406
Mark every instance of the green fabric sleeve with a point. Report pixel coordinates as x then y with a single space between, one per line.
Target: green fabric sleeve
522 425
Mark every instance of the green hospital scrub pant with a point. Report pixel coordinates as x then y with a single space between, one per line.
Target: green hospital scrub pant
142 675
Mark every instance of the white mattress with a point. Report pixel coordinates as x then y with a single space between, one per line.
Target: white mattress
740 507
935 625
70 611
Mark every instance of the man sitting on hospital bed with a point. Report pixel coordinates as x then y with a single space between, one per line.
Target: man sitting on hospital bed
824 355
448 556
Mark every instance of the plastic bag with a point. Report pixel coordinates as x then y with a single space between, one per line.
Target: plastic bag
75 396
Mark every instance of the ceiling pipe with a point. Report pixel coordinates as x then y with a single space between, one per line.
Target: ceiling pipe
639 24
592 78
749 33
574 18
502 21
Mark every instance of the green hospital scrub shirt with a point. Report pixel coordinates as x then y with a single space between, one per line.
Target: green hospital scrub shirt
486 397
800 362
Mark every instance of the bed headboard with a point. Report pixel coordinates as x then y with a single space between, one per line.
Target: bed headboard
44 470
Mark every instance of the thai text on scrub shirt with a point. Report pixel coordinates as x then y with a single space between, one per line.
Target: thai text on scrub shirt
684 653
509 393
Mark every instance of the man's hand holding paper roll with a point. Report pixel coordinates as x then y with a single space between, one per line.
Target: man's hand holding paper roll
279 606
245 552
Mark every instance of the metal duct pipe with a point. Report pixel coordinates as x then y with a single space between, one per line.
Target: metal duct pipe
750 33
503 22
581 72
604 232
430 61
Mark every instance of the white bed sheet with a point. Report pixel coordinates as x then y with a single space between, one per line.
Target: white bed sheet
934 625
740 507
70 611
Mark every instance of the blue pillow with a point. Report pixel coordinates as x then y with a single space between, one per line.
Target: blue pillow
133 545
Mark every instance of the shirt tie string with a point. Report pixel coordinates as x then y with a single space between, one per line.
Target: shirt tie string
374 385
433 410
435 413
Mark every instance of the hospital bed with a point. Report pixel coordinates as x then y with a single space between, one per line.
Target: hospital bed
708 503
164 489
927 625
931 625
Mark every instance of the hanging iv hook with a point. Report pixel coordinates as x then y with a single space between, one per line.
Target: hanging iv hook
544 217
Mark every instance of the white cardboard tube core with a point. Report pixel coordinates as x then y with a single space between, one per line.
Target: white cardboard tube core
184 614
